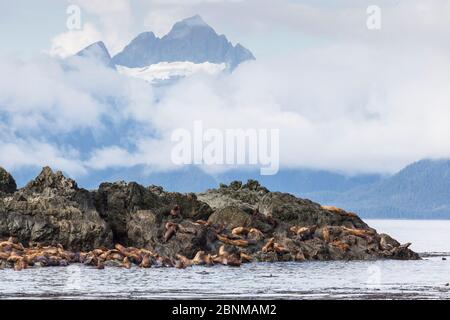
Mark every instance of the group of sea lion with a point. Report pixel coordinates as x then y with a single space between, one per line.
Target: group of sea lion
15 255
232 246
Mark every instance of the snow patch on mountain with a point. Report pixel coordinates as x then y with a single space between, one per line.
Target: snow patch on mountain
171 70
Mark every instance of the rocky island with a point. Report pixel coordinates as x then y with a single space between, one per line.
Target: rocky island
53 222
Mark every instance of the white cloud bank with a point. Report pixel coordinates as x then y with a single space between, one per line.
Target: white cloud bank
367 103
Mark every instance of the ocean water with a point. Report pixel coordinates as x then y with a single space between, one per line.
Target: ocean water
424 279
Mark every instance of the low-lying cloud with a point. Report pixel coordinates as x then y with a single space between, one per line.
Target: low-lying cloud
348 104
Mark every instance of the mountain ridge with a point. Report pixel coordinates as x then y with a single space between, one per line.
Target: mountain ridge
190 39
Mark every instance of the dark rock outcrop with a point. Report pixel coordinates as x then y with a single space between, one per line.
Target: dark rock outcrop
229 225
52 210
7 182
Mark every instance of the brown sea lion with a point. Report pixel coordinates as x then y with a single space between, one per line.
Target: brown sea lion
279 248
120 248
222 251
179 264
4 256
100 265
202 222
299 256
305 233
240 231
226 240
326 234
171 230
341 245
185 261
146 262
255 234
245 257
269 246
126 263
199 258
359 232
232 260
339 211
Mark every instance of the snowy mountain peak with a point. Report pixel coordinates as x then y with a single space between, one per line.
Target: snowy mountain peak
97 51
191 40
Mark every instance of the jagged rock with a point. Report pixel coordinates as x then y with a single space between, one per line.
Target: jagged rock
7 182
231 217
52 210
138 215
230 225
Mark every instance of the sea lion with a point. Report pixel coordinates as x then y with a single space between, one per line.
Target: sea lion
304 233
226 240
13 258
185 261
269 246
362 233
171 229
326 234
18 265
121 248
240 231
339 211
245 257
222 251
63 263
100 265
4 256
13 240
199 258
126 263
255 234
146 262
202 222
180 264
299 256
341 245
97 252
231 260
280 248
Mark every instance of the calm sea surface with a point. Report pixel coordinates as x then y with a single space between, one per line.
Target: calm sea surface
425 279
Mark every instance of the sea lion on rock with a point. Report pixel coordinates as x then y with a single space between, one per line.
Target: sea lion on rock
198 258
239 242
299 256
304 233
255 234
341 245
280 248
339 211
245 257
326 234
146 261
4 256
202 222
269 246
362 233
126 263
171 229
240 231
232 260
185 261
